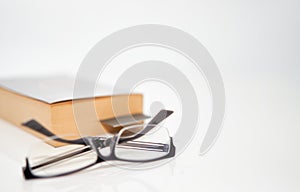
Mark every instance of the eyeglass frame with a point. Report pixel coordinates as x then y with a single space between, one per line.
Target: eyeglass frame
96 143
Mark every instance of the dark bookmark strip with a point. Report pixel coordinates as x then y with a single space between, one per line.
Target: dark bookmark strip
125 120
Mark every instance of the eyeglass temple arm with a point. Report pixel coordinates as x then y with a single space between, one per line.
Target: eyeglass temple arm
62 157
158 118
146 146
35 126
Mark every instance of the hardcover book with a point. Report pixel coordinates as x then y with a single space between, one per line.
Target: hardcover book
49 100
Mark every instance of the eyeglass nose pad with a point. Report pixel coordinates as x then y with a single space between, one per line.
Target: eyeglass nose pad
113 144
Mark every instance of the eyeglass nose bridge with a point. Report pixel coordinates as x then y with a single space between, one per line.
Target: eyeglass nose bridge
93 142
97 144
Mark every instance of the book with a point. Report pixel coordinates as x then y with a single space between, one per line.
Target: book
49 101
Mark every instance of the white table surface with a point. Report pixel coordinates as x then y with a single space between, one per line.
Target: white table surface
256 47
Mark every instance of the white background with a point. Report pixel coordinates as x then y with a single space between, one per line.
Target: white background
256 46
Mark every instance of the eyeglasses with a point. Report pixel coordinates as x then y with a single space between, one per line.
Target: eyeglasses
137 143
